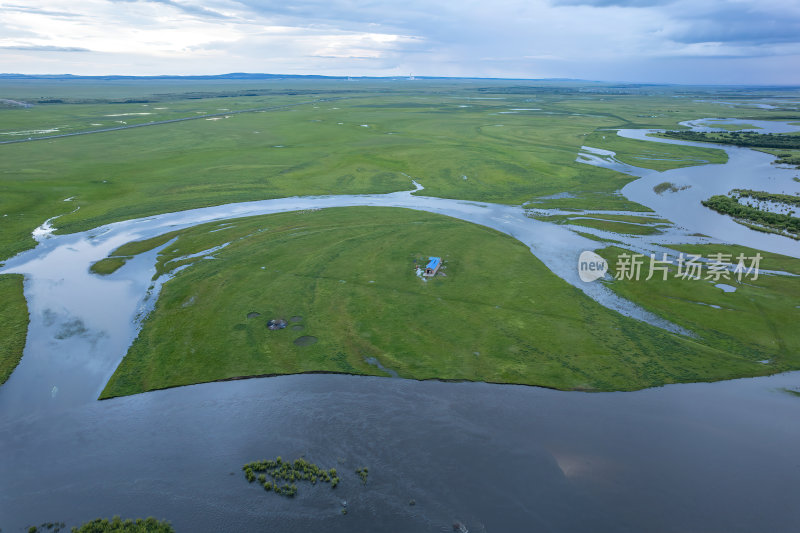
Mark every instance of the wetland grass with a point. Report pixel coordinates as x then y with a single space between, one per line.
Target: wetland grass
523 324
109 265
171 167
752 324
498 300
758 219
13 323
103 525
118 525
287 473
665 186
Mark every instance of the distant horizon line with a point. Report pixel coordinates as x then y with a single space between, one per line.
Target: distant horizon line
266 76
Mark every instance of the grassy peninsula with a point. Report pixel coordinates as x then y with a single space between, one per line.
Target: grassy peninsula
755 218
498 315
13 324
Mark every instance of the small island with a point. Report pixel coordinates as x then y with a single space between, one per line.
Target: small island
753 216
287 472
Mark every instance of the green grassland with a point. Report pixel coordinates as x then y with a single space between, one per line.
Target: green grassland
635 219
784 157
786 141
616 227
120 256
616 224
13 323
85 105
435 132
649 155
769 261
109 265
757 321
461 139
735 127
498 315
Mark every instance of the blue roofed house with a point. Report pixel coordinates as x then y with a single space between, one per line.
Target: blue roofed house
433 266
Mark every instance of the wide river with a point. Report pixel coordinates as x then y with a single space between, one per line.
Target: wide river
692 457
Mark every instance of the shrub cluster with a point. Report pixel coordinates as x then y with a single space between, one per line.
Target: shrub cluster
788 159
363 472
788 199
288 472
115 525
776 221
736 138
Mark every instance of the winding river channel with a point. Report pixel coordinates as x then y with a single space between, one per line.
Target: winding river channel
692 457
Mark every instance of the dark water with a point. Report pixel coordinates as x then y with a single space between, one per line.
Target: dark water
698 457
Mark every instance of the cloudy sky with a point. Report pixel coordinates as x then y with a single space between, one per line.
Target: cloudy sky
680 41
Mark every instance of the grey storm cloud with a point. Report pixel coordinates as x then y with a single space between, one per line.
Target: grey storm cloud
732 23
747 26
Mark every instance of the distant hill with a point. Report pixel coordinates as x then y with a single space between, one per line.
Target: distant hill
253 76
230 76
599 84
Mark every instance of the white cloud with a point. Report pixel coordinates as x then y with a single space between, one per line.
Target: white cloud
598 39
